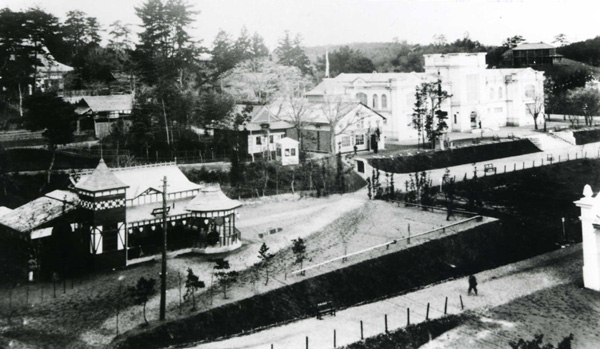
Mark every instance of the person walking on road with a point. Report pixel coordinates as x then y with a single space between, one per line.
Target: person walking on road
472 284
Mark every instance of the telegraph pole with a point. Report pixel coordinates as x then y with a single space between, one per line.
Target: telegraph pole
163 274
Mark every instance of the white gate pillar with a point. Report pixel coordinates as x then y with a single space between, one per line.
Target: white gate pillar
590 229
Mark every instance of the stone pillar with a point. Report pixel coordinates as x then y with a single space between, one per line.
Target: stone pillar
590 208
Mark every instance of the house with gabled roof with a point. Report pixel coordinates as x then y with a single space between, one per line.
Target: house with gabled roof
104 110
113 217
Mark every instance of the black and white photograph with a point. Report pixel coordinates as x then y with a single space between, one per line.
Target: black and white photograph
299 174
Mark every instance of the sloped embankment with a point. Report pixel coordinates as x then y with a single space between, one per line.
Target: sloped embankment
473 250
453 157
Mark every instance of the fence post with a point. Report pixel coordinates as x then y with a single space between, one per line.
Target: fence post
504 168
446 306
408 234
523 164
427 313
407 316
306 342
334 339
533 164
559 158
386 326
462 306
361 330
514 169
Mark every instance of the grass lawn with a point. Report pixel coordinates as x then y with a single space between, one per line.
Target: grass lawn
537 197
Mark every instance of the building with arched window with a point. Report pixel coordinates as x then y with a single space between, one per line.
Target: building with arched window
498 97
362 97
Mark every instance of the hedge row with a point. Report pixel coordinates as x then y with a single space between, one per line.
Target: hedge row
413 336
480 248
452 157
587 136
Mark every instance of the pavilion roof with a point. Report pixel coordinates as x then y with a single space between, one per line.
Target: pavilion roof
211 198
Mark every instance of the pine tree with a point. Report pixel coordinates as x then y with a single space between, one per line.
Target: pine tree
141 292
299 249
192 283
265 257
258 48
290 53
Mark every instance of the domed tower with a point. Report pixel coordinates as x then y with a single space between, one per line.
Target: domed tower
102 203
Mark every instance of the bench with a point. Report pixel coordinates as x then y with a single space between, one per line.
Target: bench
325 308
489 168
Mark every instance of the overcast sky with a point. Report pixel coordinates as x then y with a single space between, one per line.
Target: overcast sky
324 22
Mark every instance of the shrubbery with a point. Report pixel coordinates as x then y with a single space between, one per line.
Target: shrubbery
587 136
452 157
413 336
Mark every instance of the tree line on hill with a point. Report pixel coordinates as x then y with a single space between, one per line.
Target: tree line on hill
179 88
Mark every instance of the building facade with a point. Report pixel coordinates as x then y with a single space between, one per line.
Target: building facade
481 98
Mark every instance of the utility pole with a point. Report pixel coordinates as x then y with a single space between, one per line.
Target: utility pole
163 274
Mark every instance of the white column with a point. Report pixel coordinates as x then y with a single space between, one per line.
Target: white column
121 237
590 207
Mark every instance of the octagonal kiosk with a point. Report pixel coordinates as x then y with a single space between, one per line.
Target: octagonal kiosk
213 214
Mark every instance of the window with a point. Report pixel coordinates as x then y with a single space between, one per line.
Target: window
491 93
384 102
278 152
271 139
345 141
110 237
293 151
500 94
375 102
258 140
530 91
362 98
455 116
498 110
287 152
359 139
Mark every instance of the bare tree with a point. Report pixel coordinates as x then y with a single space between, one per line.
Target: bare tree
297 111
338 113
536 107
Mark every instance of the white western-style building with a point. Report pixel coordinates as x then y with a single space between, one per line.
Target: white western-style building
482 98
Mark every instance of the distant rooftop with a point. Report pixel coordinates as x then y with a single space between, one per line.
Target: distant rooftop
533 46
104 103
39 211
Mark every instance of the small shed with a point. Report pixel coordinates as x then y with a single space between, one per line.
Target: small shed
287 151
